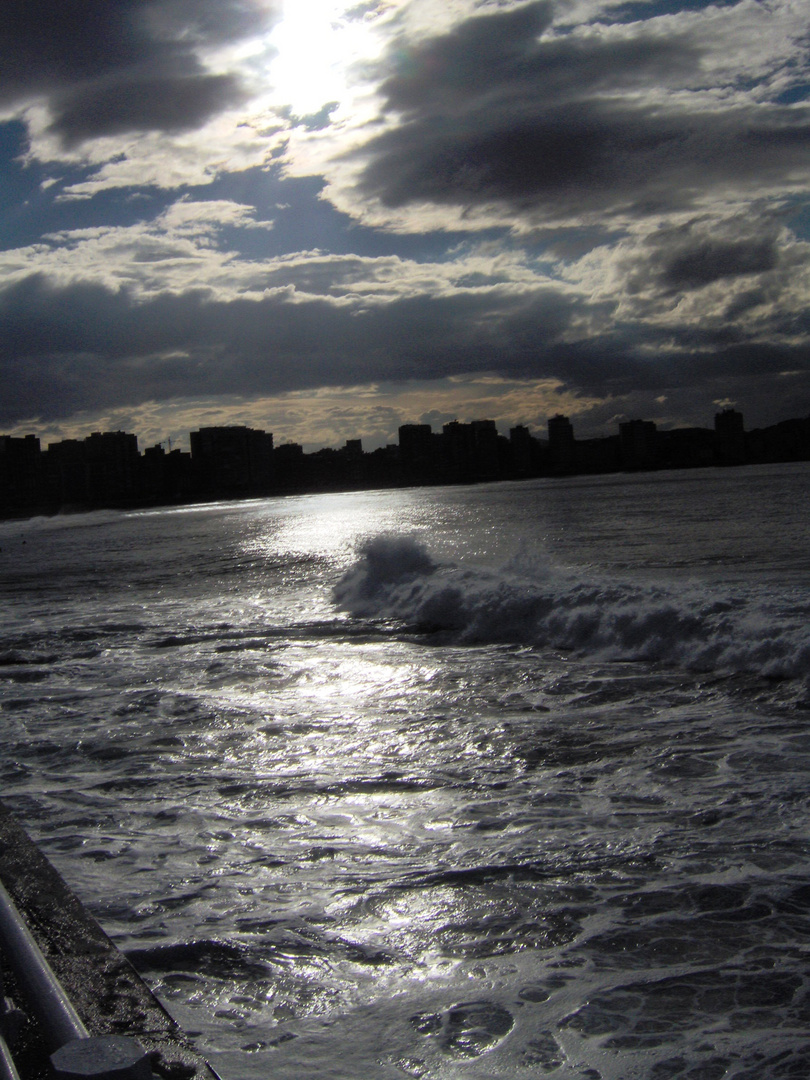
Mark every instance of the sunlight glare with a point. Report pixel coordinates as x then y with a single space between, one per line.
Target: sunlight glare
316 44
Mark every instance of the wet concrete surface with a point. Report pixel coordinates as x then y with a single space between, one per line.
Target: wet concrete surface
106 991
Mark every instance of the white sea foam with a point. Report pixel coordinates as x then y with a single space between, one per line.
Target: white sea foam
339 847
531 601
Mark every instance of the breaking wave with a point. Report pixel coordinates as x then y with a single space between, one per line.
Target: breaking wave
531 601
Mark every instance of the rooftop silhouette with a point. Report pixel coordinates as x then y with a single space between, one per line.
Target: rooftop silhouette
106 469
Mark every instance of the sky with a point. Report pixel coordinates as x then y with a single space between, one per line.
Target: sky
327 219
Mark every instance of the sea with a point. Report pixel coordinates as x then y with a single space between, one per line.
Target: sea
493 781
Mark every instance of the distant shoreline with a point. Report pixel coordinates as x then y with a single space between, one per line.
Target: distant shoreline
53 511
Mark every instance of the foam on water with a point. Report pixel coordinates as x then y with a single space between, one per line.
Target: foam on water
537 603
489 817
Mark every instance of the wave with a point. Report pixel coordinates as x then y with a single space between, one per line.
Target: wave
531 601
12 528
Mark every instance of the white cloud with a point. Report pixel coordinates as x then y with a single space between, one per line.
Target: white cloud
180 250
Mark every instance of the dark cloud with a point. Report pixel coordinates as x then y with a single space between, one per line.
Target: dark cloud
491 112
108 66
84 347
711 260
145 103
589 156
496 59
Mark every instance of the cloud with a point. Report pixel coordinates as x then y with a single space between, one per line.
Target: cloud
106 67
695 265
331 415
559 125
148 102
220 246
740 275
82 345
605 201
86 347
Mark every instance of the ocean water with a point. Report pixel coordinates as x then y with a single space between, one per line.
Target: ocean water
500 781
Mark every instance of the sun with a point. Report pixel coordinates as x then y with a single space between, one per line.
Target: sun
317 42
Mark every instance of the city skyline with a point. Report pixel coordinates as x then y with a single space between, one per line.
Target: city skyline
330 219
108 469
503 429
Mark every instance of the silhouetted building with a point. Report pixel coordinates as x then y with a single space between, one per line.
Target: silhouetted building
638 444
525 456
353 464
485 451
65 473
417 457
598 455
336 470
105 469
102 470
561 443
458 452
166 477
232 460
686 448
730 437
381 467
20 472
111 466
470 451
291 471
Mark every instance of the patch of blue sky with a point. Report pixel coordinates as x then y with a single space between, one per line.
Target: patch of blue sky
29 197
637 10
794 94
314 121
569 244
304 222
797 216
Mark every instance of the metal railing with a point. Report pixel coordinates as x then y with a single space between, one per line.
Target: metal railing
75 1053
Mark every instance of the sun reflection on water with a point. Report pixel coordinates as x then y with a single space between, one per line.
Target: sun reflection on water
332 526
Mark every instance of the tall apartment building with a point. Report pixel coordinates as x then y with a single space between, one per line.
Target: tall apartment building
232 460
638 444
561 446
729 431
20 472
